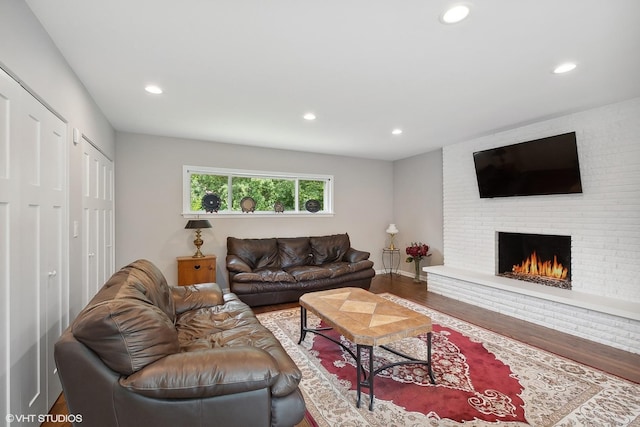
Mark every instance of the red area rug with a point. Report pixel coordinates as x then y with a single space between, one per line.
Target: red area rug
471 384
482 379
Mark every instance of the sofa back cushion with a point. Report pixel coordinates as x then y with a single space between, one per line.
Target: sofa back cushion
126 333
129 323
141 280
257 253
326 249
294 251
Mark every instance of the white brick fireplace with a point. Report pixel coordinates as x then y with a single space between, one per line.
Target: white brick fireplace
603 222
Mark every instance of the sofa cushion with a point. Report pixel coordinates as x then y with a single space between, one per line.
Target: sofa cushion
257 253
294 251
338 269
205 374
265 275
197 296
354 255
234 325
327 249
140 280
309 272
127 334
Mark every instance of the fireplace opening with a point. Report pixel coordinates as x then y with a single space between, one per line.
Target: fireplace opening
539 258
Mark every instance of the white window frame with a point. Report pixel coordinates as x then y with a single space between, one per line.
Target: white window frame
188 170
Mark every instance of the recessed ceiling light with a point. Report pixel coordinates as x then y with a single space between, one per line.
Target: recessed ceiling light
564 68
396 131
309 116
455 14
156 90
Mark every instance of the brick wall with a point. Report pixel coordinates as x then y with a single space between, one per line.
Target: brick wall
604 223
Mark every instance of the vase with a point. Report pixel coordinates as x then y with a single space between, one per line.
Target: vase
416 264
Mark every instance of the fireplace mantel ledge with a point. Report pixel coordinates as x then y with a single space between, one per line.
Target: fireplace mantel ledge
613 306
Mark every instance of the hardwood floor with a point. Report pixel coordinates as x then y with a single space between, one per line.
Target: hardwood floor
617 362
608 359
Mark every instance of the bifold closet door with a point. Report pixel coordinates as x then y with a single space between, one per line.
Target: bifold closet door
98 218
35 250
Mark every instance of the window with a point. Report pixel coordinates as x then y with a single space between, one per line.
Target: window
271 191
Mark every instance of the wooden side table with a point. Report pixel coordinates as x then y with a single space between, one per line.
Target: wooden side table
196 270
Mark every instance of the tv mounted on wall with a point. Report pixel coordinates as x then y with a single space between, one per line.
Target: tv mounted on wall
538 167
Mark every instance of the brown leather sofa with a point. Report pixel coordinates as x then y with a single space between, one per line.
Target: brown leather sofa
143 353
277 270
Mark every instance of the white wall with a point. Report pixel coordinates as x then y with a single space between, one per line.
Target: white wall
417 206
149 199
604 222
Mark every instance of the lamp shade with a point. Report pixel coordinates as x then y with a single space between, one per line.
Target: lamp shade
392 229
198 223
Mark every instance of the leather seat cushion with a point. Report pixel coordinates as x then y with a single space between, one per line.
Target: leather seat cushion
265 275
309 272
233 325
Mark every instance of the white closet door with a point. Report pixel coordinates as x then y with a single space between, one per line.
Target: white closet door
9 226
37 251
98 219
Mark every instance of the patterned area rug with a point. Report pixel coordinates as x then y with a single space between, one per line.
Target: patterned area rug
482 379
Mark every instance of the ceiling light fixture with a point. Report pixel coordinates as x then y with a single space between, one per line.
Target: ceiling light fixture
564 68
396 131
309 116
455 14
156 90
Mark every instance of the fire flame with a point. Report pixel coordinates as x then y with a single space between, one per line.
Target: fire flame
536 267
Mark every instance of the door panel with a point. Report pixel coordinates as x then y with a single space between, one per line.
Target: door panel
98 218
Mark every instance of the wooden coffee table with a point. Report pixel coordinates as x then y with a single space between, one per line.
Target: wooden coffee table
366 320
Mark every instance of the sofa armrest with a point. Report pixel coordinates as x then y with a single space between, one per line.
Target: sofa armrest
193 297
207 373
235 264
354 255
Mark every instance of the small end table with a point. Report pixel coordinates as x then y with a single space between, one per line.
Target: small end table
390 260
196 270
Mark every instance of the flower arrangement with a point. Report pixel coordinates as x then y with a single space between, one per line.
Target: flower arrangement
417 252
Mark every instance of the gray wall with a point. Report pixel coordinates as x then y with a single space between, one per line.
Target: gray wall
149 199
417 203
28 54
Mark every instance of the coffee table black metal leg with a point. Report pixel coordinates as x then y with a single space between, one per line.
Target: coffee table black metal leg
359 374
430 370
303 324
363 381
371 377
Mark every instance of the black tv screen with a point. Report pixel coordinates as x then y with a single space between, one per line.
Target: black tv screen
538 167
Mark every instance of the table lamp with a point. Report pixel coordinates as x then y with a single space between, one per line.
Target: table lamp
197 224
392 231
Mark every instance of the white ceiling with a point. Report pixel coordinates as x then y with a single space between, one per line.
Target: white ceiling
245 71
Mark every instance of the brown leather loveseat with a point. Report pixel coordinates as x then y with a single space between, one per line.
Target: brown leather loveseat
277 270
142 353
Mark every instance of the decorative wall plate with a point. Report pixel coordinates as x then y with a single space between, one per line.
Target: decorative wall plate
312 205
211 202
278 207
248 204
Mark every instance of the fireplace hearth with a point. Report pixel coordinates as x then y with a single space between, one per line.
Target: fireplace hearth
539 258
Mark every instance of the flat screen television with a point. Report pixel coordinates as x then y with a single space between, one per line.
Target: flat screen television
538 167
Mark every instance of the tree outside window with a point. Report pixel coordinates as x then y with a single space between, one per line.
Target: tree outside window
231 186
